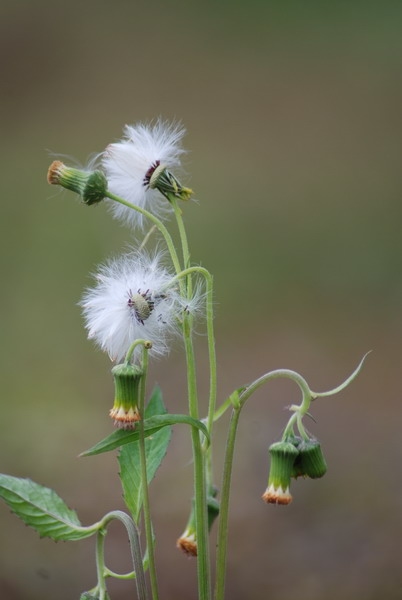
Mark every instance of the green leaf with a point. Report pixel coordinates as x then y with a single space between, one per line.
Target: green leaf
41 508
130 463
151 426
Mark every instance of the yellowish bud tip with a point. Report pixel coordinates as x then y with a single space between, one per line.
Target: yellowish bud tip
185 193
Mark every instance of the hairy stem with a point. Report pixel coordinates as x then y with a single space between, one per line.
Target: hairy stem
222 540
144 482
158 223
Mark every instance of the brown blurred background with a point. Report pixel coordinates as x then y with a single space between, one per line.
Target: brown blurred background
293 112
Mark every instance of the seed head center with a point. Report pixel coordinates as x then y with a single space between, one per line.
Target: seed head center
141 305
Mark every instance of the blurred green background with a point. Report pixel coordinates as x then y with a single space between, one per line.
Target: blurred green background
293 112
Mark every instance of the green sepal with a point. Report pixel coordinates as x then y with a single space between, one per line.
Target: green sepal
283 456
168 185
127 379
95 189
41 508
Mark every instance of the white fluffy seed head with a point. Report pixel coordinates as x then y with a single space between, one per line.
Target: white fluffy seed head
132 300
127 162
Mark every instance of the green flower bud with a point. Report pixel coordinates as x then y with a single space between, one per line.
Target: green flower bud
90 185
283 455
127 380
310 462
187 542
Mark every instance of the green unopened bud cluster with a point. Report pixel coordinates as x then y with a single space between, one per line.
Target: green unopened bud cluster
310 461
292 457
127 380
91 186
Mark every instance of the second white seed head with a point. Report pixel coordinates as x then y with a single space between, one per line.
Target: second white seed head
132 299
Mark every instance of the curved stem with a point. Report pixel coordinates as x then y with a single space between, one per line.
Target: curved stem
210 335
222 540
146 344
343 385
299 412
278 373
289 429
122 576
135 547
159 225
100 563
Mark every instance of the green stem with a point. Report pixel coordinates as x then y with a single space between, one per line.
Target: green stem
183 239
140 342
203 561
278 373
100 563
203 566
289 429
122 576
159 225
222 540
144 481
210 336
135 547
299 412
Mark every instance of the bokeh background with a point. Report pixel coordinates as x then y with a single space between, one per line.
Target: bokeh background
293 112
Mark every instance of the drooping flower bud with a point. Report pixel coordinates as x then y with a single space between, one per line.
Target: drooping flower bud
283 455
310 461
187 542
127 379
91 186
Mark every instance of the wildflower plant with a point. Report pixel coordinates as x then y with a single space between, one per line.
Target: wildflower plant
138 305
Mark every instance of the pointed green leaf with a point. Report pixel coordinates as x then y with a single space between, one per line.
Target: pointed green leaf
151 426
41 508
129 458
